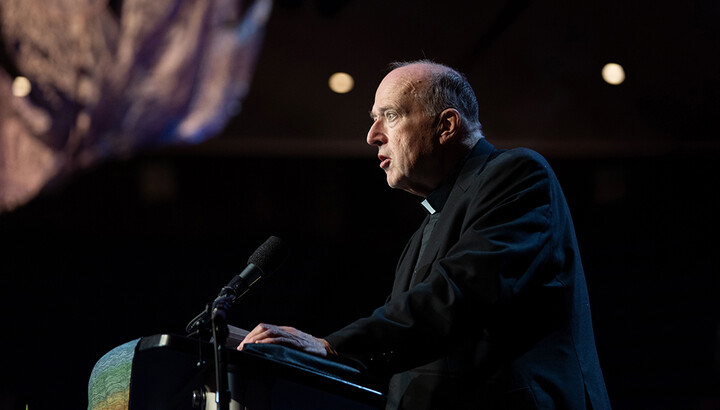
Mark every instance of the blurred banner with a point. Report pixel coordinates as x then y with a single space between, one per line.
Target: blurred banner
88 82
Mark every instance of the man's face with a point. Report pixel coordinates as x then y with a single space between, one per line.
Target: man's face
403 132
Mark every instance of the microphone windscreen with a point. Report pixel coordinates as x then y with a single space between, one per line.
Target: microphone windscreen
270 255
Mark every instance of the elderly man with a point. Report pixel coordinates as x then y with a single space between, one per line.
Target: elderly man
489 308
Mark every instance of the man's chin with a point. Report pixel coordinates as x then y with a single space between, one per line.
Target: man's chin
393 182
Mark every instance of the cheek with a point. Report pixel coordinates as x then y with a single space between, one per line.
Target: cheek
408 149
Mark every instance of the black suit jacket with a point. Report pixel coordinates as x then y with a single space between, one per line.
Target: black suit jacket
495 313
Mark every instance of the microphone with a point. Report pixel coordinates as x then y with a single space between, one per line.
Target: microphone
263 262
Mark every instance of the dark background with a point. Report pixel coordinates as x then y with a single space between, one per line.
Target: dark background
136 247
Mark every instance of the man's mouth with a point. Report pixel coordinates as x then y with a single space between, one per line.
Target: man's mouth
384 161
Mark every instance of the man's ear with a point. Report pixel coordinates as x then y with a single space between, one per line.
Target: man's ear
448 124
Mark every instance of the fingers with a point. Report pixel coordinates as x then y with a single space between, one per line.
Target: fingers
265 333
285 336
260 332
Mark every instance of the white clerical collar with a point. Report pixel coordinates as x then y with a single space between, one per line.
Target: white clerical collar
428 207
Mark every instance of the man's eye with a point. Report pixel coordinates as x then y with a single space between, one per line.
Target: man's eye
390 116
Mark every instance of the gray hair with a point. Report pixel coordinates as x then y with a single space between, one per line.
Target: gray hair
447 89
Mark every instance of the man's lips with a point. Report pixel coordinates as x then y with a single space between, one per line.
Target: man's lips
384 161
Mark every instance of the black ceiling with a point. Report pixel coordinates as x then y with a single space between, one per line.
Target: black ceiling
535 66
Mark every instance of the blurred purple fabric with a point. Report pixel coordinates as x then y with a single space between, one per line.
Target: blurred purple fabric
103 86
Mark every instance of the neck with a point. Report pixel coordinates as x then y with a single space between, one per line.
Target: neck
446 163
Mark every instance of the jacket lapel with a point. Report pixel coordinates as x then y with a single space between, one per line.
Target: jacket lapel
440 234
406 265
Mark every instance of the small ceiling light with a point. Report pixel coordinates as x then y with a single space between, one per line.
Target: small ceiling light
21 87
613 74
341 83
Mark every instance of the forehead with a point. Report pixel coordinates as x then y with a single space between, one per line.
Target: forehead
400 87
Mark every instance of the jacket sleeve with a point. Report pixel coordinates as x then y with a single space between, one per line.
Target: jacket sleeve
498 247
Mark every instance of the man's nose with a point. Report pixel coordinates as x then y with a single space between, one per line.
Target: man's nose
375 135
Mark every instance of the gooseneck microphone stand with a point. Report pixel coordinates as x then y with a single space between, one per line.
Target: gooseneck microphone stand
215 317
220 333
263 261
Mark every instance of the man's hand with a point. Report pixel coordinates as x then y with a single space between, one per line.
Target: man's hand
290 337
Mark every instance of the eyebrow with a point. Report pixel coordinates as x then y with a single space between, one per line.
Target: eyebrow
381 111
